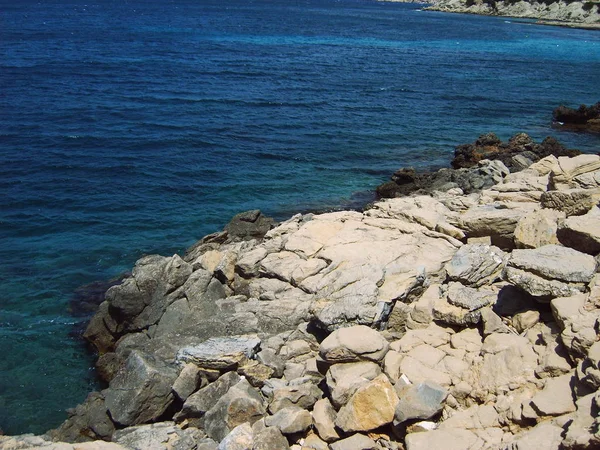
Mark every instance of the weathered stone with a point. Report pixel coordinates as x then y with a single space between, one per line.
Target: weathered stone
564 173
580 433
314 442
256 373
446 439
221 352
538 228
141 390
469 298
543 436
567 309
371 406
582 233
491 220
420 401
200 402
492 323
573 202
355 442
538 286
324 420
353 344
88 421
240 438
290 420
187 381
476 264
270 439
248 264
524 320
248 225
159 436
344 379
303 395
242 403
556 398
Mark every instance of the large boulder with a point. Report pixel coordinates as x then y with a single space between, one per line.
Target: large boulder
353 344
141 391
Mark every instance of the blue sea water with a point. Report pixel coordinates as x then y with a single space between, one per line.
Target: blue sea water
130 127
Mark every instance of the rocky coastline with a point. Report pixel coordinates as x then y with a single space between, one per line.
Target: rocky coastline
585 118
574 14
461 313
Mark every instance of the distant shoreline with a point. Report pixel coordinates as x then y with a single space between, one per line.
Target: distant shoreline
555 14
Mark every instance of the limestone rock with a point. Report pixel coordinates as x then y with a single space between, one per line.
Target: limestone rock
187 381
573 202
491 220
564 174
355 442
476 264
538 228
162 435
290 420
242 403
420 401
220 353
240 438
371 406
270 439
303 395
353 344
556 398
141 390
543 436
324 420
446 439
197 404
344 379
582 233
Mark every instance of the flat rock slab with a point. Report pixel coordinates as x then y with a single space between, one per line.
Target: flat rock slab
555 262
475 264
221 352
443 439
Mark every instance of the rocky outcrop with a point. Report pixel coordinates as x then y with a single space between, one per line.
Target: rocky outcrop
480 165
431 321
585 118
582 14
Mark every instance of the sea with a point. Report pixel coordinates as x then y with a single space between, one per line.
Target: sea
133 127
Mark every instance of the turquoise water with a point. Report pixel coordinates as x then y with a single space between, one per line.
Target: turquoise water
137 127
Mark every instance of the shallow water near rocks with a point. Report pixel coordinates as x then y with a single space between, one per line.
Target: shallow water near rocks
137 127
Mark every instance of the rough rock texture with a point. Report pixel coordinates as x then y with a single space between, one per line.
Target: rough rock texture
584 118
433 321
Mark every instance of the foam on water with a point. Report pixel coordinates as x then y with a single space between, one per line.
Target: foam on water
136 127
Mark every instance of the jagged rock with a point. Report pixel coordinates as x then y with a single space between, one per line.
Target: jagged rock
550 270
420 401
314 442
492 323
200 402
324 420
579 432
344 379
303 395
446 439
187 381
242 403
371 406
240 438
87 422
355 442
476 264
290 420
564 174
353 344
220 353
582 233
495 221
270 439
256 373
567 309
583 118
462 305
163 435
573 202
141 390
524 320
538 228
556 398
248 225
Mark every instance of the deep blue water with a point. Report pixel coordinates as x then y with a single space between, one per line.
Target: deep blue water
132 127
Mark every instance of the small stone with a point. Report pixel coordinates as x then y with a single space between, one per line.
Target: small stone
525 320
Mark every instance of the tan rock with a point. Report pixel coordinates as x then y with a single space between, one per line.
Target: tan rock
556 398
344 379
324 420
372 405
538 228
443 439
353 344
582 232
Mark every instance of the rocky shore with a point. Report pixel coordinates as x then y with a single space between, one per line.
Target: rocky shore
577 14
465 317
585 118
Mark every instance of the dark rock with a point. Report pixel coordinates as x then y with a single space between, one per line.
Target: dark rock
108 365
87 422
585 118
248 225
141 391
86 299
